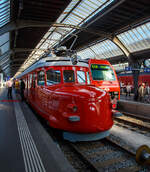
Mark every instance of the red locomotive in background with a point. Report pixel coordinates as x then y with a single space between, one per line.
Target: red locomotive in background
103 75
61 92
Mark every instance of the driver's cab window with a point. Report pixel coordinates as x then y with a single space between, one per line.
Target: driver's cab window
41 78
81 77
68 76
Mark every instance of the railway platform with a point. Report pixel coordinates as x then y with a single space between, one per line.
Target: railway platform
24 145
127 104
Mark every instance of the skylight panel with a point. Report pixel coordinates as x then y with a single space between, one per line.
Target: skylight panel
86 54
120 66
138 38
4 12
103 50
89 5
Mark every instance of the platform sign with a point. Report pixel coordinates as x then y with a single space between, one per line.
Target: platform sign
147 70
101 67
128 68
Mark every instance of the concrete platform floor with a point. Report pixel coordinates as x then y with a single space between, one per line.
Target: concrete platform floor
25 146
132 139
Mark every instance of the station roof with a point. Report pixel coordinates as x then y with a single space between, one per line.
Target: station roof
41 25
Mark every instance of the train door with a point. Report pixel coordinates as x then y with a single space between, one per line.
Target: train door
25 91
33 89
29 87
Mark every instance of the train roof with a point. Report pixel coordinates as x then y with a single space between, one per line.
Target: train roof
52 60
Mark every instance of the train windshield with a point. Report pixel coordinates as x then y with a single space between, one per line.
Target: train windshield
102 72
81 76
68 76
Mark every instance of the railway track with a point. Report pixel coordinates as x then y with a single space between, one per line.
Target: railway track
134 123
143 118
105 156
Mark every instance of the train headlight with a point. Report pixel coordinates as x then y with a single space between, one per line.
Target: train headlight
75 109
92 108
114 103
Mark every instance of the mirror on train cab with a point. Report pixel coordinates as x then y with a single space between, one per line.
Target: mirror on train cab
147 63
74 59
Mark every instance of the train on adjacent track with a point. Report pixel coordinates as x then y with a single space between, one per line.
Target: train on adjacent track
62 93
125 78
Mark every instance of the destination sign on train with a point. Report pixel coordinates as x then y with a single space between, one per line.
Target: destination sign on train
96 66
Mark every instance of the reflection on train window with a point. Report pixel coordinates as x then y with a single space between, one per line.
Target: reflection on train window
68 76
41 78
81 76
102 72
88 78
53 77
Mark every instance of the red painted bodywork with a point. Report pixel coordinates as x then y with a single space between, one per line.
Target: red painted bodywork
128 78
55 103
109 86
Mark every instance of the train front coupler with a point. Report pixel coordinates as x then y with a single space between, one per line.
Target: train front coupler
116 113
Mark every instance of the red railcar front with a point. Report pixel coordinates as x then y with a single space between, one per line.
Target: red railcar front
81 109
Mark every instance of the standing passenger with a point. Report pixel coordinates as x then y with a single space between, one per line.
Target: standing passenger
147 89
142 92
9 86
17 86
128 89
22 87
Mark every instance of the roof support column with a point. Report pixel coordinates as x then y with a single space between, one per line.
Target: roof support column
121 46
135 64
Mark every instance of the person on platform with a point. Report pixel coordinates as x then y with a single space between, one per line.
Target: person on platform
128 89
142 92
9 85
22 88
16 86
147 89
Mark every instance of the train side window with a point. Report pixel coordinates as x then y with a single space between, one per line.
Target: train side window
68 76
41 78
53 77
81 76
88 77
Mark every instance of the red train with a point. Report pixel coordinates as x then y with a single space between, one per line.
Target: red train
126 78
103 75
62 94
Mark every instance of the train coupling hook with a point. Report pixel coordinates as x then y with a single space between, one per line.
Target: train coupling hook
116 113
